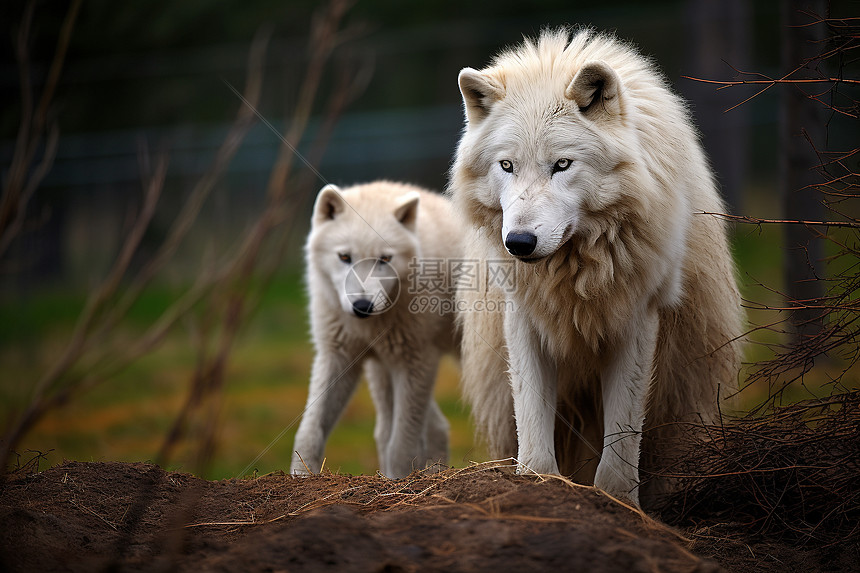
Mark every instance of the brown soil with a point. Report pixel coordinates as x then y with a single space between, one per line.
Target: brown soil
120 516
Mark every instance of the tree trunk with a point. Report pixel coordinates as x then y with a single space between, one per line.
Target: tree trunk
802 122
718 37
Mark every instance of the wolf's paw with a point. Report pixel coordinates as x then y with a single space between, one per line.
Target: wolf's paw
537 467
615 483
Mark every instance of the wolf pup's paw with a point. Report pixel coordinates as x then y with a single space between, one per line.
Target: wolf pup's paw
304 467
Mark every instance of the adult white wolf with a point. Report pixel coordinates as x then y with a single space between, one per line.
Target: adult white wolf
365 241
580 164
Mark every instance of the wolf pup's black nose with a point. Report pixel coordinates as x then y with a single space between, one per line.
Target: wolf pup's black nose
520 244
362 308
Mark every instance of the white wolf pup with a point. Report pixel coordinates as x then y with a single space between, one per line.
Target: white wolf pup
365 241
578 163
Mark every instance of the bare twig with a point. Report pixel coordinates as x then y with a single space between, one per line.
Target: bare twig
760 221
792 474
81 336
772 81
22 181
235 303
824 323
109 302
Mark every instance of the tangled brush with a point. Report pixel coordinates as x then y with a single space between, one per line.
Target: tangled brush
793 474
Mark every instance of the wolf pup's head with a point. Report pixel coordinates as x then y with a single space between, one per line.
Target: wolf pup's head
545 143
362 239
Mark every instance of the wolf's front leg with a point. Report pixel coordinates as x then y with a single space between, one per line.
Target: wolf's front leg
484 370
626 380
334 376
413 390
379 382
534 388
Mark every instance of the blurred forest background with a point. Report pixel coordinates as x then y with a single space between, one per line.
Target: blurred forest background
151 299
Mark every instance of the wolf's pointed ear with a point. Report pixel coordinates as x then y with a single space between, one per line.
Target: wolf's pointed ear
329 204
479 91
407 210
596 90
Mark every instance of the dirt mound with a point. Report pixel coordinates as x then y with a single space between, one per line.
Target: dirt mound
132 517
90 516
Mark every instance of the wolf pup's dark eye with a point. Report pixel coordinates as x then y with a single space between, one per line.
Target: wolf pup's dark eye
506 166
385 259
561 165
345 257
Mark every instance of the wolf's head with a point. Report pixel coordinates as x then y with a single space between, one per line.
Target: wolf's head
362 239
548 141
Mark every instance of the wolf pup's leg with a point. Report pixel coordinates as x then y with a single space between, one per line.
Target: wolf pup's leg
534 387
379 382
334 376
436 430
413 390
625 381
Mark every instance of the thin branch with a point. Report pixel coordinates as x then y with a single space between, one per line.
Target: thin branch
760 221
729 83
208 379
19 187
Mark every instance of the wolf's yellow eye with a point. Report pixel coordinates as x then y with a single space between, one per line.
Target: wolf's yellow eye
345 257
385 259
561 165
506 166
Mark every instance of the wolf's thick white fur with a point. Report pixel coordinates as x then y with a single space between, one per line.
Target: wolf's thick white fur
400 349
625 312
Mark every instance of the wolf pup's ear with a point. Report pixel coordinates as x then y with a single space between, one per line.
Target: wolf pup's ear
407 210
329 204
479 91
595 89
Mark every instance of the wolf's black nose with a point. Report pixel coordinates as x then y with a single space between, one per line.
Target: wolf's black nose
362 308
520 244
